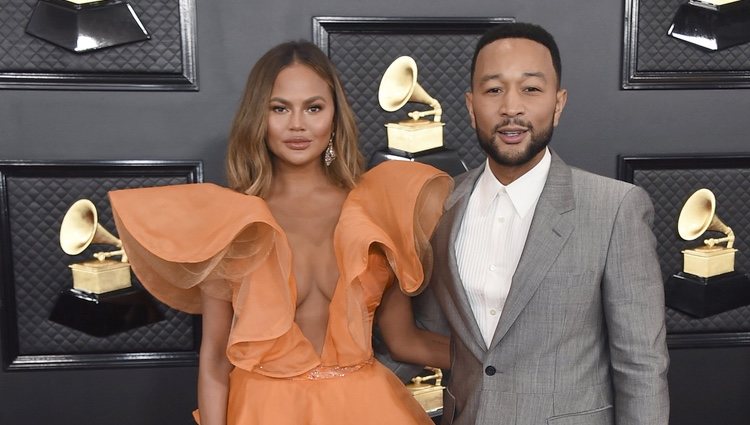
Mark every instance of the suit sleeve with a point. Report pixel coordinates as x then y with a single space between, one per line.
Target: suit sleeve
633 299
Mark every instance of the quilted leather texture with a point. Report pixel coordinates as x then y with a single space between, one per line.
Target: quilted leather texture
36 207
21 52
669 189
443 62
659 52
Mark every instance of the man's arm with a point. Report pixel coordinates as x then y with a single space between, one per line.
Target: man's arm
633 300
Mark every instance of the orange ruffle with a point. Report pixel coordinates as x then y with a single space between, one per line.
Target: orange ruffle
187 240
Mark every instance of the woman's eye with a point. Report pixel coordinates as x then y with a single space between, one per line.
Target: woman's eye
315 108
278 109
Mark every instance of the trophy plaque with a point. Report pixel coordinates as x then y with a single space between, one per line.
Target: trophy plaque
414 138
86 25
102 300
708 283
429 396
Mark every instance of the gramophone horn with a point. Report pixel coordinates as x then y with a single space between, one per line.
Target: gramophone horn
399 85
80 228
698 216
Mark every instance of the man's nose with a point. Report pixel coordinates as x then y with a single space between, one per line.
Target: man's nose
512 104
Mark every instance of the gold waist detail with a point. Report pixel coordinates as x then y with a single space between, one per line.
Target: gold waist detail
328 372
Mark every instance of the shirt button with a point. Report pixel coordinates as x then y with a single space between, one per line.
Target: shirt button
493 312
490 370
493 267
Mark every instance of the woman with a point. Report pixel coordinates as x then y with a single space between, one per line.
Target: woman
289 267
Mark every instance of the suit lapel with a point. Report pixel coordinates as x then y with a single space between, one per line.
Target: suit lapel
549 230
451 224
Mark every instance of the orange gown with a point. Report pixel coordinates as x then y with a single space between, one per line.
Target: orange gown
188 241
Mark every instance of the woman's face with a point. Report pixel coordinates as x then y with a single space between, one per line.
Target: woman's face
300 117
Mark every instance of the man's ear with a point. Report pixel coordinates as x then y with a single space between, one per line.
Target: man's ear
468 98
562 98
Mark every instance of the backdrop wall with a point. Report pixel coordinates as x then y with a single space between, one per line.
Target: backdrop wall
599 122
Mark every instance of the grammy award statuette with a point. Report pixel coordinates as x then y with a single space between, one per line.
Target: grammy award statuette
708 283
102 300
398 86
415 138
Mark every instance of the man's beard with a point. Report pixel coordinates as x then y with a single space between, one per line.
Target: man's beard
539 141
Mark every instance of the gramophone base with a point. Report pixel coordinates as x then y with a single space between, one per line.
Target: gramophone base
86 27
716 29
100 277
415 136
105 314
705 296
441 158
708 262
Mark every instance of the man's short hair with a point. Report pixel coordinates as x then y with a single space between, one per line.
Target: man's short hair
520 30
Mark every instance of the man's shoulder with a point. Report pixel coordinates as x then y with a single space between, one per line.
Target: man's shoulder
592 181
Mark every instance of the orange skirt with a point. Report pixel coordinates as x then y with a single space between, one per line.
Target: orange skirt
371 395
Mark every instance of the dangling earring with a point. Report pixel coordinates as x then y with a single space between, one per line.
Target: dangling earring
330 154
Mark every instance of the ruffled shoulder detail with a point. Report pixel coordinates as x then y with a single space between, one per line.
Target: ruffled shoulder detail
402 201
184 240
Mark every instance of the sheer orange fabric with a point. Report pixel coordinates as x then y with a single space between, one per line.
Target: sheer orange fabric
189 241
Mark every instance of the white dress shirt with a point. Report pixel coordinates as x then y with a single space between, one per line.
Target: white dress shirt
491 238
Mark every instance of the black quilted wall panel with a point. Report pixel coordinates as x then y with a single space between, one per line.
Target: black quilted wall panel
22 52
652 59
659 52
166 61
34 201
362 50
670 183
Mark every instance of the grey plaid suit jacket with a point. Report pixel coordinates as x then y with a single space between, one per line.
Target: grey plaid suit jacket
581 339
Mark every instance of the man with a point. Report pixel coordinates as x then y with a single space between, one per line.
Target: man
545 275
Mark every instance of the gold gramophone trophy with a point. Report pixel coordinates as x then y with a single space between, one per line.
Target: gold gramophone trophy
102 300
397 87
708 283
414 138
80 228
429 396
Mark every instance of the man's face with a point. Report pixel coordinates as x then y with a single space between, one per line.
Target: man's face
514 102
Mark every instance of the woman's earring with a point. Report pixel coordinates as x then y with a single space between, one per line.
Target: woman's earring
330 154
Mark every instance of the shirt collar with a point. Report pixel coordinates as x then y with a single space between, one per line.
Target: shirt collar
523 192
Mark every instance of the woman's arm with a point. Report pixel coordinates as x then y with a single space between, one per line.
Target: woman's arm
214 366
406 342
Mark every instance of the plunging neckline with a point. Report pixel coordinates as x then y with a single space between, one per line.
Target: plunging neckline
295 288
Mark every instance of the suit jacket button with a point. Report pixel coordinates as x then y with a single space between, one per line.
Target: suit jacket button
490 370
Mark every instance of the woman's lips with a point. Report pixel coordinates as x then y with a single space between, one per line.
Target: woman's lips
297 144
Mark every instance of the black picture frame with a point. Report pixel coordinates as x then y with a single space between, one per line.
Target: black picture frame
670 180
654 60
34 196
363 47
325 27
166 62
